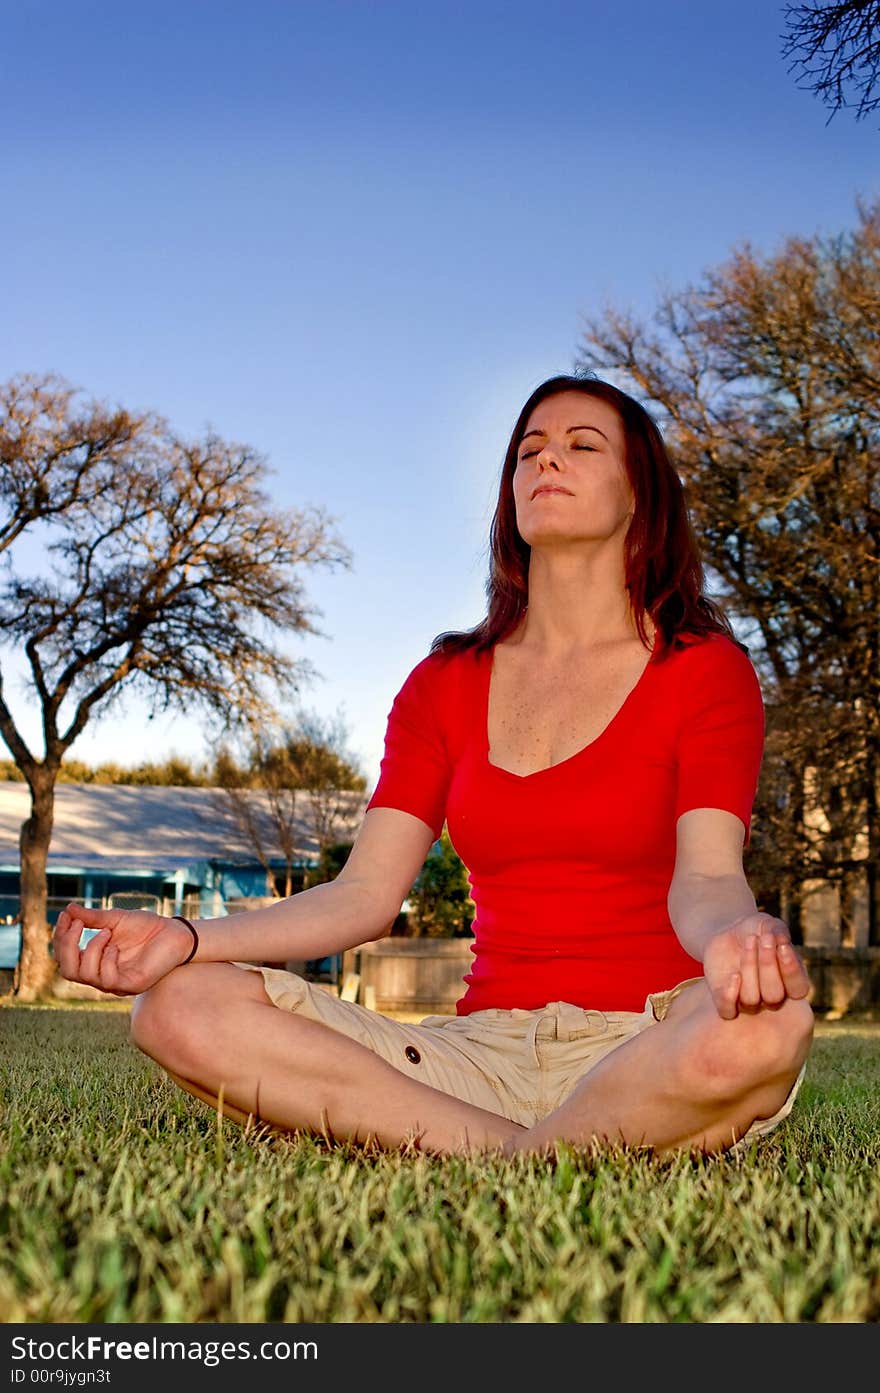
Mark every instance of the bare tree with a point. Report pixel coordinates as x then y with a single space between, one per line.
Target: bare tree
290 784
766 380
316 749
135 559
836 48
267 827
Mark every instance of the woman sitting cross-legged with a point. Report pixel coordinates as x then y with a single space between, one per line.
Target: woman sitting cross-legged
593 747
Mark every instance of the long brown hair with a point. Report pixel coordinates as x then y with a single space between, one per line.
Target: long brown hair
663 565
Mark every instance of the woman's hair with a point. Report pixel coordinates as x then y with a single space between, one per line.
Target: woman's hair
663 565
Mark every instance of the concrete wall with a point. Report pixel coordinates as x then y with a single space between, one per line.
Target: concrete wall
412 974
427 976
844 980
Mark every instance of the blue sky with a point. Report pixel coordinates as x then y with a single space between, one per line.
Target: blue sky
356 235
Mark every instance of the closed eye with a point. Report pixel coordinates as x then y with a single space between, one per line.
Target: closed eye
531 453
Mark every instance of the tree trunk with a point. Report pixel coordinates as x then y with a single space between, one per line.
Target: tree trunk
795 918
36 967
873 866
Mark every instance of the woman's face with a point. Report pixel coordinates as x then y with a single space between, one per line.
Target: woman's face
570 483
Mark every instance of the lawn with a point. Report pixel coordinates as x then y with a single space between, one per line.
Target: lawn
122 1199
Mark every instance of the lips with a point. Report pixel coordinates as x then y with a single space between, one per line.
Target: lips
550 488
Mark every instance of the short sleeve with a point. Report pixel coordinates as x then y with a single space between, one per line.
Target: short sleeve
721 739
415 771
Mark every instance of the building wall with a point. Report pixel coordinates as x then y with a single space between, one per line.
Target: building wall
833 915
198 889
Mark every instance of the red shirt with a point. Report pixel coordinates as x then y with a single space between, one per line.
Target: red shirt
570 867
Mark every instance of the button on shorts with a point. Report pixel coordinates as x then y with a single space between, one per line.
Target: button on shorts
517 1063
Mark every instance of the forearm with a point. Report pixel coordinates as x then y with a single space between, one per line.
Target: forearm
315 923
701 906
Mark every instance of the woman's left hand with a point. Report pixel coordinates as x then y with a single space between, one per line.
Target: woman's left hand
752 963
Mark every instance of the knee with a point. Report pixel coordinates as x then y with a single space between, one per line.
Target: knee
800 1026
733 1058
168 1021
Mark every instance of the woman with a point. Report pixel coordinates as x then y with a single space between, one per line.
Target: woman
594 747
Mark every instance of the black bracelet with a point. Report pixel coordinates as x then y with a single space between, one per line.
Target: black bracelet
192 930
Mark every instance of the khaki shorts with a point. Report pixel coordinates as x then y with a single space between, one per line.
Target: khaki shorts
516 1063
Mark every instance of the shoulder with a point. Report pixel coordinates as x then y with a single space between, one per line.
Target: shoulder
712 678
439 678
437 668
715 657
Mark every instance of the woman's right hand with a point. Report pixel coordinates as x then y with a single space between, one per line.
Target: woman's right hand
132 949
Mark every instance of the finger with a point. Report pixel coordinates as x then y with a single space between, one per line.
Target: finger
770 981
65 947
65 922
109 971
94 918
70 937
62 926
727 995
750 989
90 958
794 975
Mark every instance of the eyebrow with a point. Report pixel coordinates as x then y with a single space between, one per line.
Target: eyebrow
568 432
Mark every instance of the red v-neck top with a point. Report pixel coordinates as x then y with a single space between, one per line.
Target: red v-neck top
570 866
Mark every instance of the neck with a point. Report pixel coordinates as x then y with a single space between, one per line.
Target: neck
577 604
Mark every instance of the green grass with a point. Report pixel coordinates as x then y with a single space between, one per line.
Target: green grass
122 1199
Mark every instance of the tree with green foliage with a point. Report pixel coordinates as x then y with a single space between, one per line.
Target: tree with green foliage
330 862
440 904
173 772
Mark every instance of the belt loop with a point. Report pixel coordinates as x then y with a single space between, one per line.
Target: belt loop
572 1018
532 1036
576 1017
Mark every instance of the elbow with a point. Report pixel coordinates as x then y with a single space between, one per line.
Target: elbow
383 932
376 914
380 931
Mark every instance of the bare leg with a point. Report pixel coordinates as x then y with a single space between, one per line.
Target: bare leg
221 1104
212 1025
691 1082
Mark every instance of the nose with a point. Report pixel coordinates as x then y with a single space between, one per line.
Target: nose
547 459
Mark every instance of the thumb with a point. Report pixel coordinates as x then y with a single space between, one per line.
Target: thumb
726 995
93 918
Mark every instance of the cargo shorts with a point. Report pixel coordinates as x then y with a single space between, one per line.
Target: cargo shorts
518 1063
